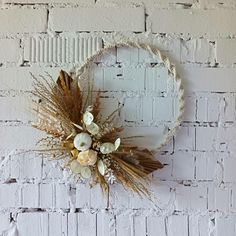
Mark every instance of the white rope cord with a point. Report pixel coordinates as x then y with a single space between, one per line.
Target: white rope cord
82 72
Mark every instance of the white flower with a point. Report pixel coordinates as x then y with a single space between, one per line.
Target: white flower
87 118
107 148
82 141
87 158
75 167
117 143
86 172
102 167
93 128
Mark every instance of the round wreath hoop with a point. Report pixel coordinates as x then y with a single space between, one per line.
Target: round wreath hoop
80 71
90 143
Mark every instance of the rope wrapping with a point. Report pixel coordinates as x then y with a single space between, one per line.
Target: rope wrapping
82 72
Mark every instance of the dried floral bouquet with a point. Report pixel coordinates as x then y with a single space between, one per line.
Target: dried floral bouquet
89 142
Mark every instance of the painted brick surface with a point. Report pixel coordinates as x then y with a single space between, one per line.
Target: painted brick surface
164 21
97 19
23 20
196 191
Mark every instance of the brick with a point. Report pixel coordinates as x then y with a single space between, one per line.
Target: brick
208 79
97 19
165 173
233 196
51 170
206 164
108 59
87 224
160 190
108 106
33 224
229 172
139 225
146 2
62 196
16 108
195 50
72 224
198 225
9 195
24 137
228 108
191 198
163 109
124 225
177 225
206 138
212 4
37 22
189 108
82 196
19 78
46 197
185 139
9 50
156 80
183 166
30 193
196 22
124 79
156 225
226 139
98 199
4 221
57 224
131 110
219 198
62 50
120 197
147 115
25 166
128 55
146 57
49 1
226 50
208 108
5 163
103 223
225 225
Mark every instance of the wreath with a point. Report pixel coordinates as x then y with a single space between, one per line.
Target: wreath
90 143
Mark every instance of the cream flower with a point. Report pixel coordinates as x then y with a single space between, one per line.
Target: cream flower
75 167
82 141
87 158
107 148
87 118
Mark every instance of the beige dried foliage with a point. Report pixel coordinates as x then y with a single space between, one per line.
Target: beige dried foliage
62 106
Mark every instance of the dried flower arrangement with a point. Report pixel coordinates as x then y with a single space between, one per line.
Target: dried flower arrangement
77 130
90 143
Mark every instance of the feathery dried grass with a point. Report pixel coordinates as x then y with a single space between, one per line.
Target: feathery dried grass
60 115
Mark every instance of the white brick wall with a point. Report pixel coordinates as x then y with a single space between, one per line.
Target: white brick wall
196 191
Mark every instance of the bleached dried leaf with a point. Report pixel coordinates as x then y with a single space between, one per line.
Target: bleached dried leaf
85 172
75 167
107 148
102 167
87 118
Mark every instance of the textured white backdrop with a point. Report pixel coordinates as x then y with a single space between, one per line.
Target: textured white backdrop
196 191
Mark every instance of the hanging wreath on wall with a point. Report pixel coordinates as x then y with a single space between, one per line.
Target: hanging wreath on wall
90 143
